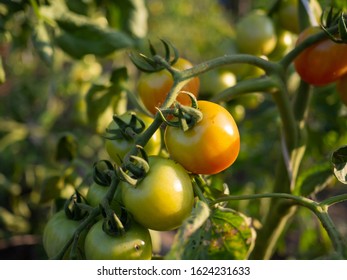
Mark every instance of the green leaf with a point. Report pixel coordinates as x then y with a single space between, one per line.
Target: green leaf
133 17
186 233
226 234
98 99
314 179
339 161
80 36
42 43
66 148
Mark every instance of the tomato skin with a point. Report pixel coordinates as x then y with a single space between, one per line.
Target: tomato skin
154 87
58 230
209 147
135 244
117 149
321 63
163 199
97 192
255 34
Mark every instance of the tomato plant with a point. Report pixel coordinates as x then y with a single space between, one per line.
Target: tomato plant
57 232
154 87
119 146
134 244
255 34
163 199
59 58
209 147
321 63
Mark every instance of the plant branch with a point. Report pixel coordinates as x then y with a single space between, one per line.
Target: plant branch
261 84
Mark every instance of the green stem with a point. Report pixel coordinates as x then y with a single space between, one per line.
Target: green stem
267 66
280 213
336 238
333 200
199 184
262 84
308 203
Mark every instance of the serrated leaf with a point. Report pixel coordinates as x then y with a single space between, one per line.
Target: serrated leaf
80 36
339 161
226 234
42 43
313 179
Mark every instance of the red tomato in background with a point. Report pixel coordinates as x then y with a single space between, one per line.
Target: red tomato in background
323 62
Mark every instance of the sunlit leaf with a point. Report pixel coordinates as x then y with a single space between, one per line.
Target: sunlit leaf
186 233
133 17
42 43
339 160
226 234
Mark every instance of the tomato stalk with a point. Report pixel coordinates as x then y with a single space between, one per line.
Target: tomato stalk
262 84
267 66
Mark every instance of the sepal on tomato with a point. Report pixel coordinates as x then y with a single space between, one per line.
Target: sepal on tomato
72 209
101 174
185 117
150 64
125 130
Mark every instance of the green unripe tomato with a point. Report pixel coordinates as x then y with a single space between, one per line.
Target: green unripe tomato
58 230
255 34
97 192
163 199
135 244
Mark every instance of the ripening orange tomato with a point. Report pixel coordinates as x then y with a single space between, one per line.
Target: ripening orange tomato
154 87
209 147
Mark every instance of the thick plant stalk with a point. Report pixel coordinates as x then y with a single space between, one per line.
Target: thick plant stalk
280 212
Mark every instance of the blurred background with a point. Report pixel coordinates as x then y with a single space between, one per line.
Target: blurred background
44 103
